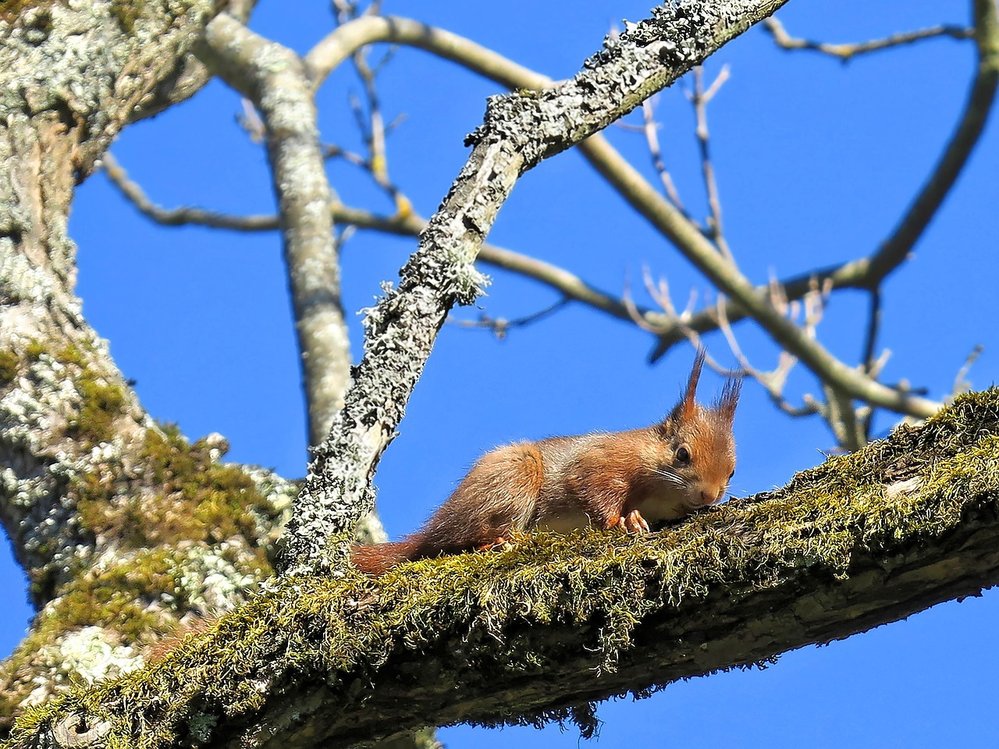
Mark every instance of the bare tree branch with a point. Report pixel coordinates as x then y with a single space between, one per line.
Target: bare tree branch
567 284
274 78
847 52
868 272
894 250
181 216
501 326
636 190
869 359
700 98
650 130
661 214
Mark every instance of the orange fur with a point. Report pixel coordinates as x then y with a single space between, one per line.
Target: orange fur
621 479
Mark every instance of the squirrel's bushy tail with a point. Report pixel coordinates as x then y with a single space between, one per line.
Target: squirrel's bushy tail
377 558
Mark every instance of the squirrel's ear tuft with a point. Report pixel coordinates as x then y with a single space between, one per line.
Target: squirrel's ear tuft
687 407
729 398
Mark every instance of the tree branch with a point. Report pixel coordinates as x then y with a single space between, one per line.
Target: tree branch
649 203
274 78
536 632
847 52
894 250
869 272
859 273
699 250
567 284
185 216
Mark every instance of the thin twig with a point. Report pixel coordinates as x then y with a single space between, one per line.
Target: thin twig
868 359
650 129
773 381
564 282
501 326
181 216
847 52
700 98
961 383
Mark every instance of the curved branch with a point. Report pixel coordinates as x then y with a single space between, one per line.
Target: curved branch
337 46
569 285
894 250
869 272
186 216
566 283
747 300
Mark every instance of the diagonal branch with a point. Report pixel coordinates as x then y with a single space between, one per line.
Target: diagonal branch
664 216
699 250
894 250
672 223
536 632
868 272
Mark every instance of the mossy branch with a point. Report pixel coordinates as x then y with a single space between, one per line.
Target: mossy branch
538 631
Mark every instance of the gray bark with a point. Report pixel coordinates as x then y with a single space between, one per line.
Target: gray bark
79 455
273 77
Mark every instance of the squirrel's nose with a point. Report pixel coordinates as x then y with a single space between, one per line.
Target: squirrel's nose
707 498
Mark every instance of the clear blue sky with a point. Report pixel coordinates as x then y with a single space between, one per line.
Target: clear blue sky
815 160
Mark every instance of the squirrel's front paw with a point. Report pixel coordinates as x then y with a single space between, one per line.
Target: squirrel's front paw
634 523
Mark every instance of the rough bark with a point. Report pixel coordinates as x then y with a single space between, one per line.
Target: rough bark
538 631
81 459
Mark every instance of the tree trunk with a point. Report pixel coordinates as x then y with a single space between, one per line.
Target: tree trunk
123 527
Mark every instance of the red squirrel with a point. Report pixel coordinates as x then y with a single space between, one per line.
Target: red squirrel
610 480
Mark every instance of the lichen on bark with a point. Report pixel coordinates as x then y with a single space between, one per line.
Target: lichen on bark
537 631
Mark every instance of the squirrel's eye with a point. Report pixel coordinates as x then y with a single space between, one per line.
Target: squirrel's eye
682 455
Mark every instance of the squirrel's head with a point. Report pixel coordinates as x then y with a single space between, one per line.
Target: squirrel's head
699 450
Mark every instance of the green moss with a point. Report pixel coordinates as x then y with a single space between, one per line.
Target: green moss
127 12
196 498
10 363
34 350
70 354
102 403
11 9
496 609
117 598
